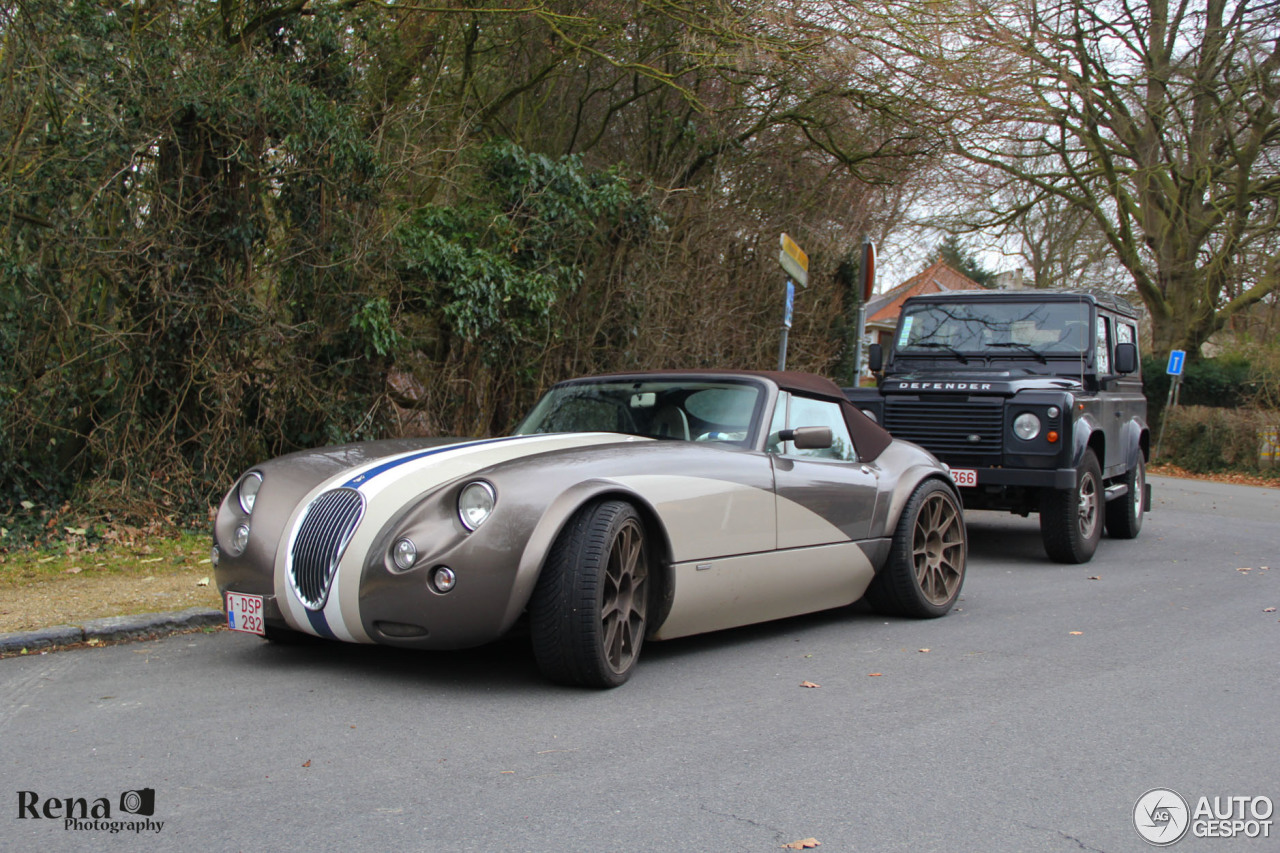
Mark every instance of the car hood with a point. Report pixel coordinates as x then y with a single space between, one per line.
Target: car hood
994 382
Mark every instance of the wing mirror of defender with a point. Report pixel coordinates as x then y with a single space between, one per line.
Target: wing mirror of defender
1126 358
875 357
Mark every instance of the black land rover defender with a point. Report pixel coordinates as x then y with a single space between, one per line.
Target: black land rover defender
1034 398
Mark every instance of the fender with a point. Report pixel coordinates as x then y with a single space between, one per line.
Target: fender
1084 429
557 515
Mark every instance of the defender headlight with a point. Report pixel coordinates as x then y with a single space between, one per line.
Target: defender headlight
475 502
248 491
1026 426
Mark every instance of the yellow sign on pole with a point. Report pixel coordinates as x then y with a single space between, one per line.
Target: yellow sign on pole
794 261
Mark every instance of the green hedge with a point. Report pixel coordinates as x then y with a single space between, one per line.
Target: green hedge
1205 439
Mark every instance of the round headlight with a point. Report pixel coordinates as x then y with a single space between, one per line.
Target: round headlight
240 538
475 502
1026 426
403 553
249 491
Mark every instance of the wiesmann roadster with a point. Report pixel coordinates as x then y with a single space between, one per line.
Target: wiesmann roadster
624 508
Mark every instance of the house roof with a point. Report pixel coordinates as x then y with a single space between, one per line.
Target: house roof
883 310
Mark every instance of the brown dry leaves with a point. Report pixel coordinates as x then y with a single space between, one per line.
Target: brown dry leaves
802 844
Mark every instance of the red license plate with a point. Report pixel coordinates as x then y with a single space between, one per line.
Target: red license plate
244 613
964 476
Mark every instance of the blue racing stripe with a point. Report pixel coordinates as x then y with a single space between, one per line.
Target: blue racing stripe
320 624
356 482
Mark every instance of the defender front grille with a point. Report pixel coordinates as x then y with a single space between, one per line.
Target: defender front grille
327 526
964 432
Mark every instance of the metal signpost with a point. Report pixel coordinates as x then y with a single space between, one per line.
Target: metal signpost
1177 358
796 263
868 281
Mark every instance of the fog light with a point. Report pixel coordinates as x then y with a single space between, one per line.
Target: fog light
1053 412
1026 426
240 539
215 556
443 578
403 553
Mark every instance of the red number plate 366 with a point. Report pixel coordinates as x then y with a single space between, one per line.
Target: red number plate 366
964 476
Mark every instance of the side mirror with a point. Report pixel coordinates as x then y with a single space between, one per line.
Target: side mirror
875 358
1126 358
808 438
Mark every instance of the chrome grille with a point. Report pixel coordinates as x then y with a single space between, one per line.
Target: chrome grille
959 432
327 526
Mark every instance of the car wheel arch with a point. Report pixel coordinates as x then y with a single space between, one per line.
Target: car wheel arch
560 510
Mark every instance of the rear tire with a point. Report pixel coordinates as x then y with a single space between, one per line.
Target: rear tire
1125 513
588 612
1071 519
927 560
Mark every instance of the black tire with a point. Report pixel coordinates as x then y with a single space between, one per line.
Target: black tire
927 560
1125 513
587 615
1071 519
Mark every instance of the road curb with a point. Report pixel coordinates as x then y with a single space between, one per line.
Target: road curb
111 629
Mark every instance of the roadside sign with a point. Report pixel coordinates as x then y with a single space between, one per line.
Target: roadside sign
791 303
1176 359
868 272
794 261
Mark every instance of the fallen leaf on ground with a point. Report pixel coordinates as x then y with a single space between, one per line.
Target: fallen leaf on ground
1268 610
922 650
1076 633
809 684
1095 577
202 582
74 570
307 763
802 844
874 674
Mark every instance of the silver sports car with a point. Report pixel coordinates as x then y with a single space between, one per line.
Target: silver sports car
625 508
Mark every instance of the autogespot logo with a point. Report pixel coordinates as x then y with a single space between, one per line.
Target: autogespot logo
1161 817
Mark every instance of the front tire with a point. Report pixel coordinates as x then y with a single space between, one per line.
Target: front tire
1125 514
927 559
588 612
1071 519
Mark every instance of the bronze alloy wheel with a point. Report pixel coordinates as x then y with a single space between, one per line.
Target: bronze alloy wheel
625 598
927 557
938 549
587 615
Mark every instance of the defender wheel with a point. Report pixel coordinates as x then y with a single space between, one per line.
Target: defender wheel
1124 514
1071 519
587 615
926 566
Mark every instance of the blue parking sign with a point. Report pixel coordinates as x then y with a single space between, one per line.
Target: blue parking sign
791 303
1176 359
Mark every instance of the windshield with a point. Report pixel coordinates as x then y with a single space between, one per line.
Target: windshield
675 410
989 328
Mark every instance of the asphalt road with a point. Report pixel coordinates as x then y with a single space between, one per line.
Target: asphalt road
1032 718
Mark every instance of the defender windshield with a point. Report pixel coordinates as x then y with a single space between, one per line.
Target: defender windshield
676 410
995 328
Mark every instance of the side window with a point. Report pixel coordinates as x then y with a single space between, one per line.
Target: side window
1102 346
806 412
1126 333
